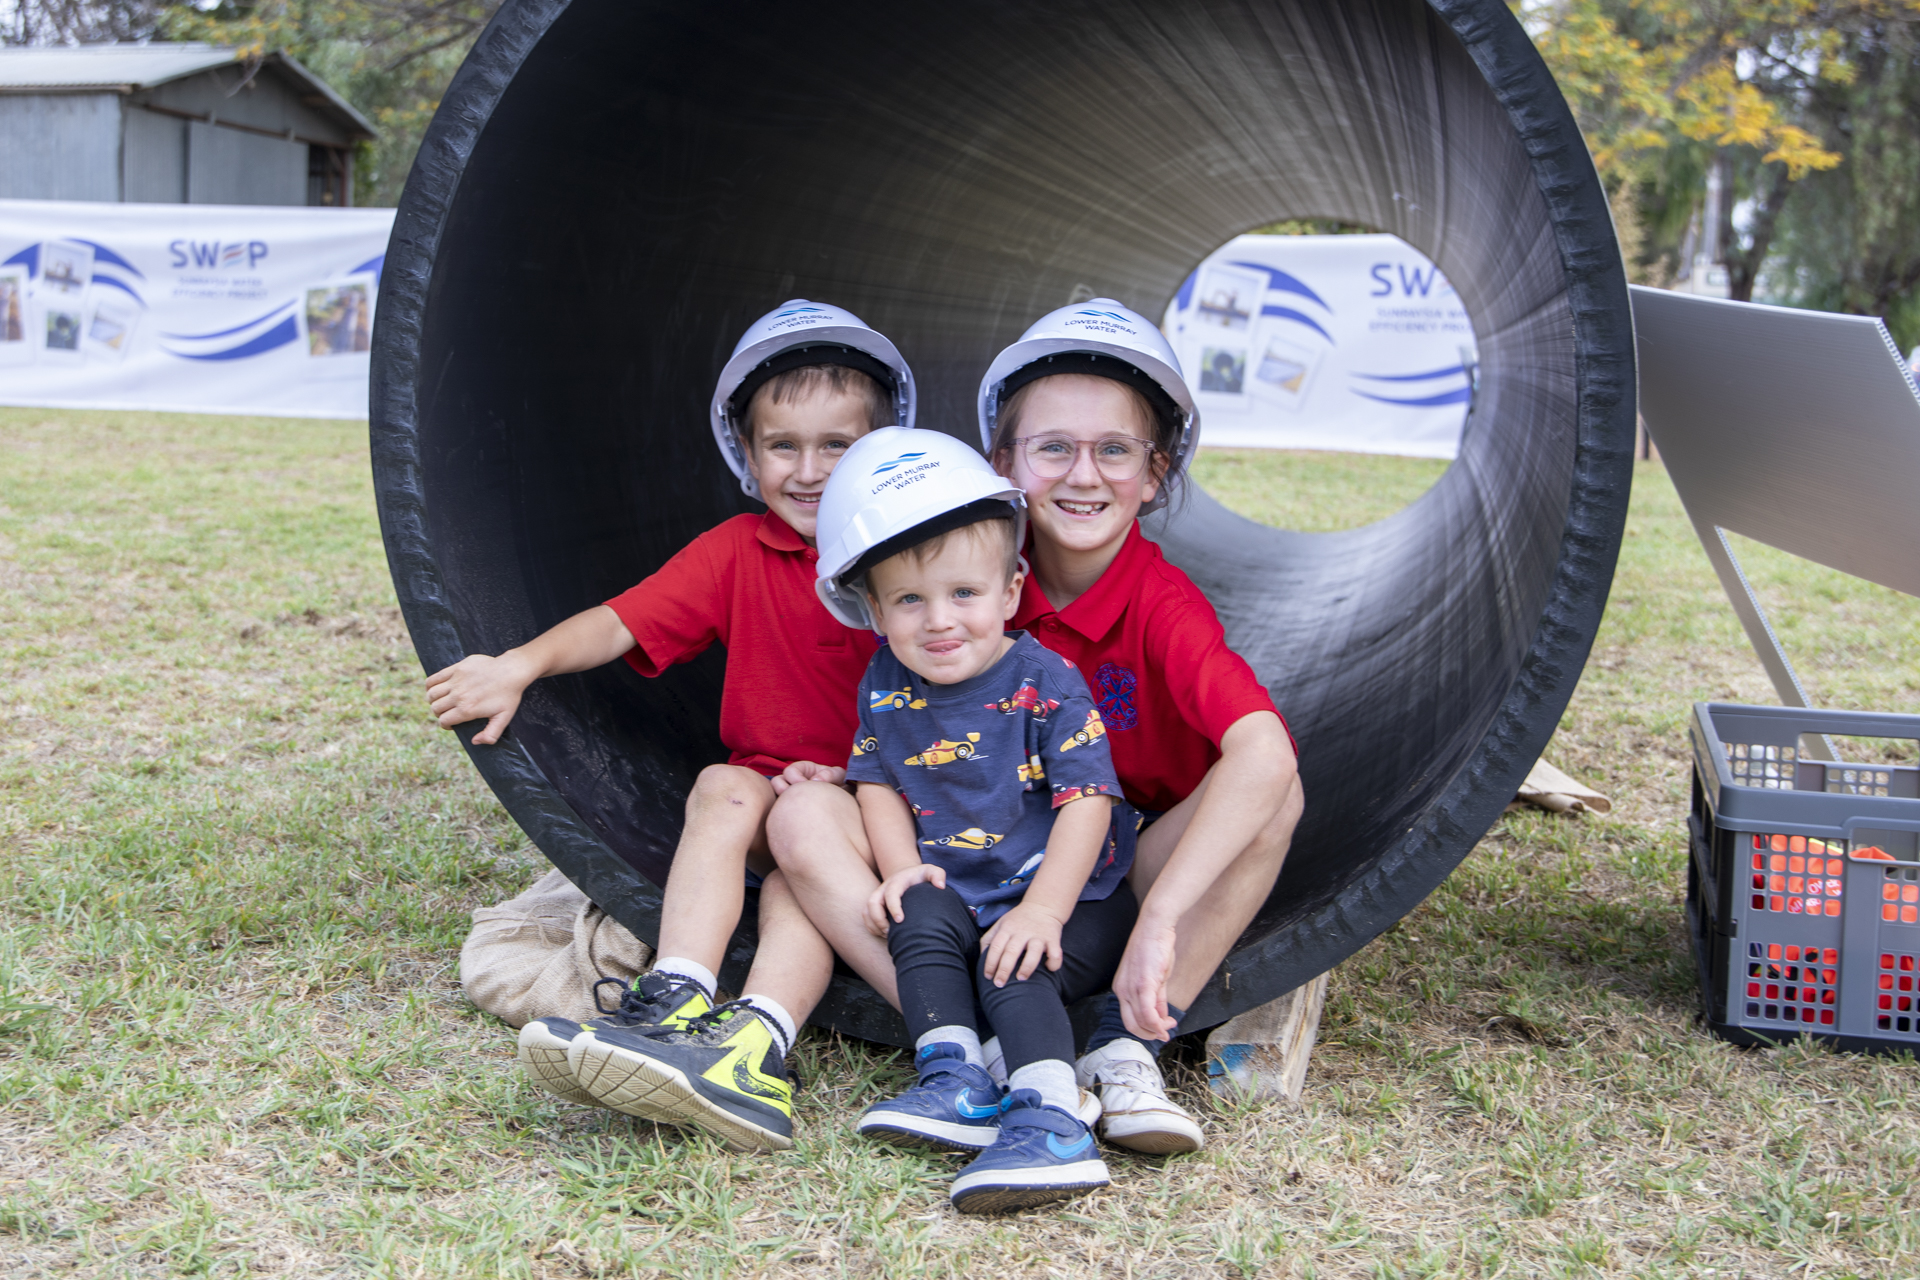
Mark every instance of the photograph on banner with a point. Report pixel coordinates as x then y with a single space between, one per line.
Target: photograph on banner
195 308
14 330
340 317
1351 343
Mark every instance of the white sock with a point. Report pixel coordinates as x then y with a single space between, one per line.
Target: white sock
1053 1080
996 1063
966 1037
681 967
776 1017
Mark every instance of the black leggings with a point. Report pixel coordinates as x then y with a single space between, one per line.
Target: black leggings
937 961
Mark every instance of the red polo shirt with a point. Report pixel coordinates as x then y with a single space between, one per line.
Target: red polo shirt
1157 660
792 668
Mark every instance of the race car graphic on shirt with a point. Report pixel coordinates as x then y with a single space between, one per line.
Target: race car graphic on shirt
971 838
893 700
946 751
1086 733
1065 795
1026 870
1027 698
863 745
1032 770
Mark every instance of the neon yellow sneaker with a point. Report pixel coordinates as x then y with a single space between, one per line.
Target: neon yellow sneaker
722 1072
654 999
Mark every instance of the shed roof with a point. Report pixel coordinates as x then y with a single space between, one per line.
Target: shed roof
127 67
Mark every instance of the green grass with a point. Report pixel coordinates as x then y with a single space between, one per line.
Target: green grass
1314 492
236 862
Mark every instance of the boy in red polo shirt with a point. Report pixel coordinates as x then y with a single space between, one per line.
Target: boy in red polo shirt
803 384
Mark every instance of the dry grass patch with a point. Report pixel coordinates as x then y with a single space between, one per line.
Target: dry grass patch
238 862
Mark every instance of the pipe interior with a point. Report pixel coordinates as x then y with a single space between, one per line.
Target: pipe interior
654 177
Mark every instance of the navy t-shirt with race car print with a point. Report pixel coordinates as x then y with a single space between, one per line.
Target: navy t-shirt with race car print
984 764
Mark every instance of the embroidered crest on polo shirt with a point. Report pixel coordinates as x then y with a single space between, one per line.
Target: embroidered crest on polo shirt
1113 689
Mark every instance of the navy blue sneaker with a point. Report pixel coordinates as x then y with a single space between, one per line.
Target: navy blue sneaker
1042 1155
954 1107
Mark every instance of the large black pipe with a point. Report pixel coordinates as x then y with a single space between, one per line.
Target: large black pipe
612 190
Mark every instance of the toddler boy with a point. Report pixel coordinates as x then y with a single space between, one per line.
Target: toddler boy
989 802
804 383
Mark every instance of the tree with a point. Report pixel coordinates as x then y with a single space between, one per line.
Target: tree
1670 91
1804 113
1852 242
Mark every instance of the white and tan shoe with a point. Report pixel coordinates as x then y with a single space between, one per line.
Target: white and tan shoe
1135 1111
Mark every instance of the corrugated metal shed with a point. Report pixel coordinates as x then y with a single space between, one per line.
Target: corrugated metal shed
172 123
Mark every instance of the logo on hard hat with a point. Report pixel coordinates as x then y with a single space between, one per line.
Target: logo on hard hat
903 458
799 311
1106 315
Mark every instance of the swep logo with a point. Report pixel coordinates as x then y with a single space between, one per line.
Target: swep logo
1106 315
212 255
799 311
900 461
1414 281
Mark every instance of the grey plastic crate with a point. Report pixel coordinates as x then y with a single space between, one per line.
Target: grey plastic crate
1798 927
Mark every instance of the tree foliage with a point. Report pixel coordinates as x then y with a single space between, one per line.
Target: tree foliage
1805 110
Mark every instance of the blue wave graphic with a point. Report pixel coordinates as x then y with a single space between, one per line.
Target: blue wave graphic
223 333
103 254
28 257
1288 313
278 336
1462 396
374 264
1184 299
1280 282
121 285
1452 370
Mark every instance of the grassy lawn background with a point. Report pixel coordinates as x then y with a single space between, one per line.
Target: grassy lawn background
236 861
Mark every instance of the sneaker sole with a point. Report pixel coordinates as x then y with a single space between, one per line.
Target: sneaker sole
902 1130
543 1056
1010 1190
651 1090
1152 1135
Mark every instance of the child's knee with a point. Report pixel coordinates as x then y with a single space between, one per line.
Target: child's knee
805 810
932 916
723 787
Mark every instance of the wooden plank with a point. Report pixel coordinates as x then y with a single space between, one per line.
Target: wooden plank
1264 1052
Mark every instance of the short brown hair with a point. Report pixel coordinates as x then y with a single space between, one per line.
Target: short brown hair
812 379
1164 433
998 528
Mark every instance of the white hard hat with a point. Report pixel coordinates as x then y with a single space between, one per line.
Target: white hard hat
793 334
1104 338
896 488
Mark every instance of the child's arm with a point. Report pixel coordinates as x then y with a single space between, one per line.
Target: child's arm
896 853
1245 789
479 687
1030 932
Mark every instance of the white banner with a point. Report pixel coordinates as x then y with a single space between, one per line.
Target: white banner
194 308
1353 343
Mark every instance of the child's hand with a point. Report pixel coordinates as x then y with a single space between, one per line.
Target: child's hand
807 771
1140 984
1024 936
884 905
479 688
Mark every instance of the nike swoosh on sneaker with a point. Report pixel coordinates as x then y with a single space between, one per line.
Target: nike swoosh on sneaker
972 1112
1067 1152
